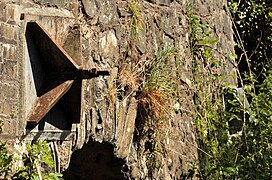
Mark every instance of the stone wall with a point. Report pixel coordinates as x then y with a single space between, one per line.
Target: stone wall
9 68
110 104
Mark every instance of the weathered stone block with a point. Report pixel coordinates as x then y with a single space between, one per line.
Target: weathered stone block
8 91
108 12
8 128
12 12
8 32
161 1
227 27
2 92
90 8
5 108
123 9
126 126
2 9
1 53
1 75
108 44
9 70
59 3
169 22
9 51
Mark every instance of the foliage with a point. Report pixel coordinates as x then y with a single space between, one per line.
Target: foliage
254 158
211 126
226 152
37 154
36 160
253 23
136 22
161 82
5 161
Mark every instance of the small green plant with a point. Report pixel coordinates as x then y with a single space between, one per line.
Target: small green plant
136 22
37 163
36 160
5 161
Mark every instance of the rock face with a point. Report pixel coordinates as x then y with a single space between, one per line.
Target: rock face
110 110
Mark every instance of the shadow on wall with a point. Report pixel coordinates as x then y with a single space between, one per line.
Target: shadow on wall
95 161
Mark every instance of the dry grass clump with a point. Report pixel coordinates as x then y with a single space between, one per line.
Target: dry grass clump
159 87
127 78
156 103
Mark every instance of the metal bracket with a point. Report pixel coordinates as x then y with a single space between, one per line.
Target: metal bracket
57 75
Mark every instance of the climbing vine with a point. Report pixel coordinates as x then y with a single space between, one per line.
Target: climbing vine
229 150
210 124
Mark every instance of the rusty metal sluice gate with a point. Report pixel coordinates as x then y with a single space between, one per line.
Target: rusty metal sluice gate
54 79
51 71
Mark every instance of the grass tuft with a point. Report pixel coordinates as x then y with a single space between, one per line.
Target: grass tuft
136 23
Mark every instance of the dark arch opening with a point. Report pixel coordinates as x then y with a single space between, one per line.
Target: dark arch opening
95 161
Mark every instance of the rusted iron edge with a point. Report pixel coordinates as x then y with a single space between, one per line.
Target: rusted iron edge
55 42
44 103
93 71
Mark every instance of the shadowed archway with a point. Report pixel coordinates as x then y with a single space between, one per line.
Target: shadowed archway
95 161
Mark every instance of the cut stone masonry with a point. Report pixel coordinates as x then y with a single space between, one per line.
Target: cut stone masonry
97 33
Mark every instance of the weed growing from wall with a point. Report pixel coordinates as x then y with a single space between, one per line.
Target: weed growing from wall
5 162
210 121
242 151
136 22
154 106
